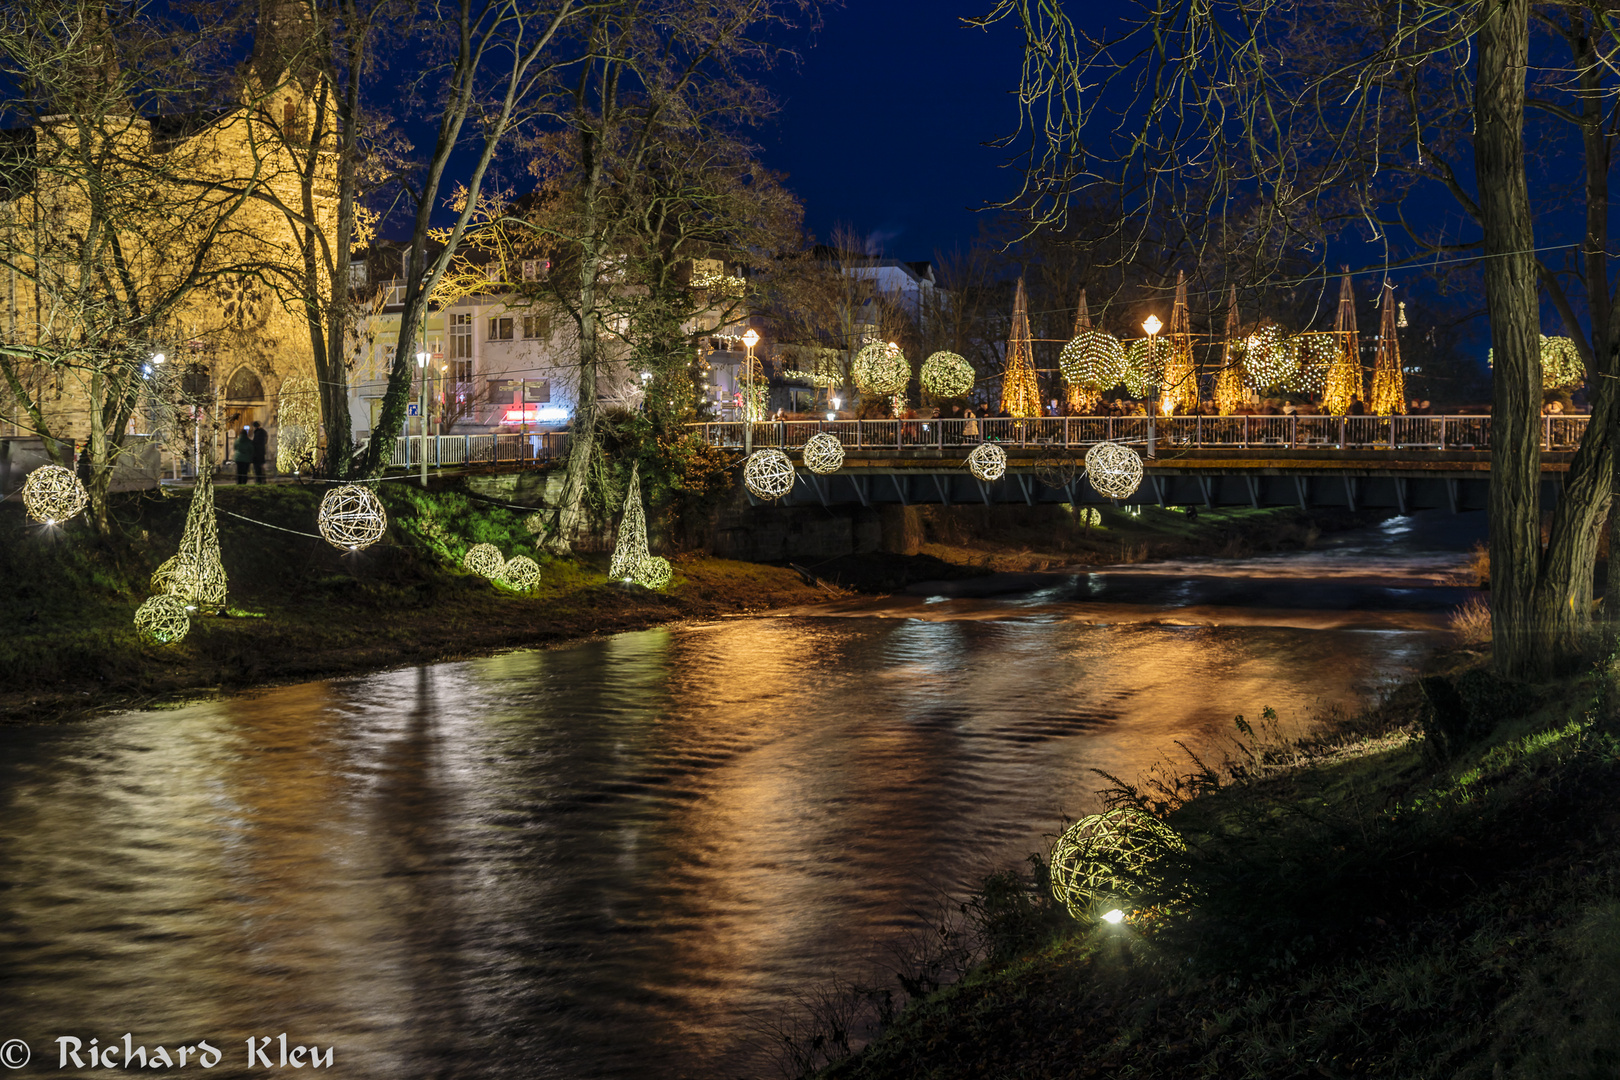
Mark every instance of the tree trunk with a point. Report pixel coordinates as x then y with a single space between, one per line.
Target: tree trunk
582 435
1521 648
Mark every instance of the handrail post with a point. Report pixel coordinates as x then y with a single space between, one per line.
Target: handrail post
1151 433
1341 433
1246 419
1392 431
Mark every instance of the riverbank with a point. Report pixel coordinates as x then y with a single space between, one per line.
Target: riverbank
301 610
1423 893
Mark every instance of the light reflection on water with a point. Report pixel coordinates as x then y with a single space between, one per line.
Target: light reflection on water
596 861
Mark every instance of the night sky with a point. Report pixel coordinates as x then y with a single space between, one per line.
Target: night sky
884 121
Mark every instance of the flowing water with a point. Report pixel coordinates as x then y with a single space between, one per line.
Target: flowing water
623 857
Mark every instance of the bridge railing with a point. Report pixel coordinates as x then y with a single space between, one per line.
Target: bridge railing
1244 432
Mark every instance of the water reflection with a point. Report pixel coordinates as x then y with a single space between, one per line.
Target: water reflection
597 861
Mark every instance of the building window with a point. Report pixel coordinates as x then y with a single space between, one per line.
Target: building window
535 269
500 329
537 326
461 374
494 272
460 336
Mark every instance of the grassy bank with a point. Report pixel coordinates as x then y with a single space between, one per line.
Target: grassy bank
1429 893
300 609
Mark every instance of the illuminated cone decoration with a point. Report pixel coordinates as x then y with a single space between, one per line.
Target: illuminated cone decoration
1388 381
1229 392
1344 377
1180 385
631 548
195 574
1020 390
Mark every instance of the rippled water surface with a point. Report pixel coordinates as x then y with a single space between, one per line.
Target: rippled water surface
612 860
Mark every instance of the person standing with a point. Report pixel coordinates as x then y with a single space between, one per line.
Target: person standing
242 454
261 443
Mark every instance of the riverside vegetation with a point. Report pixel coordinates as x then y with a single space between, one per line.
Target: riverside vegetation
300 609
1428 889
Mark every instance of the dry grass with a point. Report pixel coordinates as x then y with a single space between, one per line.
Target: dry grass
1471 623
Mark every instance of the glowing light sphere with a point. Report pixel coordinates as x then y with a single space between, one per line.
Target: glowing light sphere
485 560
1267 359
520 574
881 368
352 517
52 495
654 572
769 474
823 453
535 523
1313 358
163 619
1094 360
1114 470
946 374
1144 366
987 462
1107 858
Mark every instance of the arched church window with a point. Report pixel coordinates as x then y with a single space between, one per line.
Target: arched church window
244 386
289 114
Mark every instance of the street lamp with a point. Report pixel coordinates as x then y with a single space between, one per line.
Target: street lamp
1152 325
422 359
750 339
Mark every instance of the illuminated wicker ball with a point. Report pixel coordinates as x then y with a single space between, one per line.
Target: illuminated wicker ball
988 461
520 573
769 474
163 619
352 517
823 453
198 581
485 560
1144 365
52 495
1094 359
1114 470
1267 359
945 374
1105 859
1089 516
654 572
1313 356
881 368
535 523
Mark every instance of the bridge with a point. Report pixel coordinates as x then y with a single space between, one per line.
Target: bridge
1401 463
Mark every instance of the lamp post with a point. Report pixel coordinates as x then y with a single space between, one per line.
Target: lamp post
422 359
750 339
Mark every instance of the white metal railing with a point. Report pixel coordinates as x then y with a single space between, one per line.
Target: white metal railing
511 448
1244 432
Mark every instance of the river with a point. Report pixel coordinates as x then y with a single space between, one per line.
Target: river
625 857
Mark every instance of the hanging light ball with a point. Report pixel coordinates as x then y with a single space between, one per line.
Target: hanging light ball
881 368
200 582
163 620
351 517
485 560
1094 360
535 522
823 453
654 572
946 374
987 462
1114 470
53 495
1313 356
1103 860
1144 366
769 474
1267 359
520 574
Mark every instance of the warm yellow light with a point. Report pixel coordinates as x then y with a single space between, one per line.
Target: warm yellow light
1166 407
1152 325
751 338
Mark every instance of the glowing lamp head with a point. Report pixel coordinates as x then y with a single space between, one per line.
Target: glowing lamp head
422 358
1114 917
1152 325
157 358
751 338
832 416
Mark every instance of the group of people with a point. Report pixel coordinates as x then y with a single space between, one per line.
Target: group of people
252 443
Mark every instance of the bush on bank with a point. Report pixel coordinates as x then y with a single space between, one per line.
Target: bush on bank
1391 902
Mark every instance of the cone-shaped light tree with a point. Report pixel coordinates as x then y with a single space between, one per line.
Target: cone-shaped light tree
631 549
1020 390
1180 385
1388 381
1229 390
1344 375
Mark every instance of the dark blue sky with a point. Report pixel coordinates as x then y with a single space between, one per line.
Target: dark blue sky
885 117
